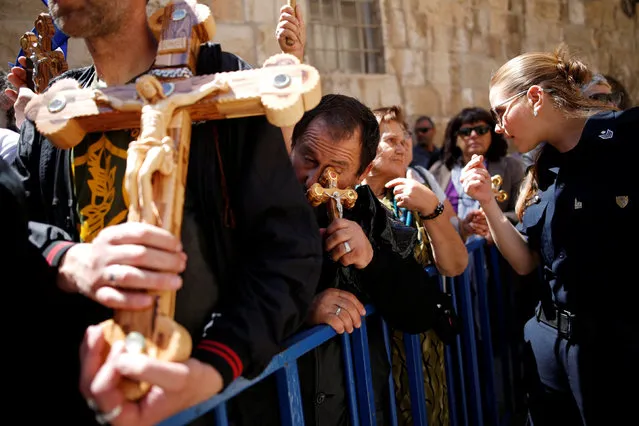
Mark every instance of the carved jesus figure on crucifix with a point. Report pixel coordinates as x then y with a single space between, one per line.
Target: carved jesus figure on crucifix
154 150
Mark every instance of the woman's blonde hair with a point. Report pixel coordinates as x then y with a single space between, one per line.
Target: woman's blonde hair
562 76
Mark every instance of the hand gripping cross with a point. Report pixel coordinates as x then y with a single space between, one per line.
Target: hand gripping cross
43 64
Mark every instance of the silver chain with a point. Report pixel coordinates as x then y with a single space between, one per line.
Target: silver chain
172 73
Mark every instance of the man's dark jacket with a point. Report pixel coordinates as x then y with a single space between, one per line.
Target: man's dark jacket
247 286
29 282
401 291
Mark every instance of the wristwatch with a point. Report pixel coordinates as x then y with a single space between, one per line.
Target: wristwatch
438 210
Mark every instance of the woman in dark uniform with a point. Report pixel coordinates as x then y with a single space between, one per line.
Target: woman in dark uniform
578 209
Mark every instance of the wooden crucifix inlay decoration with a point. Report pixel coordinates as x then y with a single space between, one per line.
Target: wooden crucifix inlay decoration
327 191
43 63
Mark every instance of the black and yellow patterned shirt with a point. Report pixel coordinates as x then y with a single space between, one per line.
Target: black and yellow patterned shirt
98 166
99 162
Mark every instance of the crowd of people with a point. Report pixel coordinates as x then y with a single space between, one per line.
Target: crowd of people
256 263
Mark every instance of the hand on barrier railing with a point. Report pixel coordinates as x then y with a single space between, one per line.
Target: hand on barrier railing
337 308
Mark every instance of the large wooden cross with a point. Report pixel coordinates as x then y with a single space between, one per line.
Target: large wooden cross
163 104
43 63
327 191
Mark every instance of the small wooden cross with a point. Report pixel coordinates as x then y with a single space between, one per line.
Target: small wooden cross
326 190
163 104
496 182
43 63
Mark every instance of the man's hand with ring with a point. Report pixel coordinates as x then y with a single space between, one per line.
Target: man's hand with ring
175 386
348 244
337 308
122 260
347 247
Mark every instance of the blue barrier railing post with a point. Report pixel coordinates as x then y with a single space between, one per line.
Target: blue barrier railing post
221 417
454 283
414 357
486 337
469 347
391 383
363 375
503 336
446 285
290 395
351 393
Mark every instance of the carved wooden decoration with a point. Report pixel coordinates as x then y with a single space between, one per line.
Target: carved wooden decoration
496 182
283 89
43 62
326 190
163 104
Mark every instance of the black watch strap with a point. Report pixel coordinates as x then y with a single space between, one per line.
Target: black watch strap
438 211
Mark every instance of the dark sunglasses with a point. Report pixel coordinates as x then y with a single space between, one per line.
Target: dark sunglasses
607 98
467 131
423 129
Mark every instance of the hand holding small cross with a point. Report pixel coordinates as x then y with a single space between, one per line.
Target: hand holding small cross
326 190
496 182
43 62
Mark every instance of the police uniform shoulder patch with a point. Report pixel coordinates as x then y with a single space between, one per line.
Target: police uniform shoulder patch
606 134
622 200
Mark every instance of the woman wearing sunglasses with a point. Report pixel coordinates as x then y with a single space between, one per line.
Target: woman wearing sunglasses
472 132
578 209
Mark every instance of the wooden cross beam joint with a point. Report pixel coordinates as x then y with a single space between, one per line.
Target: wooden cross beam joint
327 191
180 27
43 63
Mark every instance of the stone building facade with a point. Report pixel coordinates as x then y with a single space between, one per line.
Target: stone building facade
433 57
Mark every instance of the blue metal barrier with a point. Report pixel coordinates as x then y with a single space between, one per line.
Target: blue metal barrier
469 361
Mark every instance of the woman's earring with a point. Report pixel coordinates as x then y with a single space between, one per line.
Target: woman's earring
535 113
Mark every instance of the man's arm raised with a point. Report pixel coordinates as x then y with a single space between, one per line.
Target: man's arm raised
291 36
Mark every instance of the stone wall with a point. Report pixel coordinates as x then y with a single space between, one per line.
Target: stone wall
439 53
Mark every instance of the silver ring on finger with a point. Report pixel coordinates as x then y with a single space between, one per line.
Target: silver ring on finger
347 247
92 405
106 418
338 311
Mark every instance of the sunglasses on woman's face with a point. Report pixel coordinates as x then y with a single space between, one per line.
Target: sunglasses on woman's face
467 131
